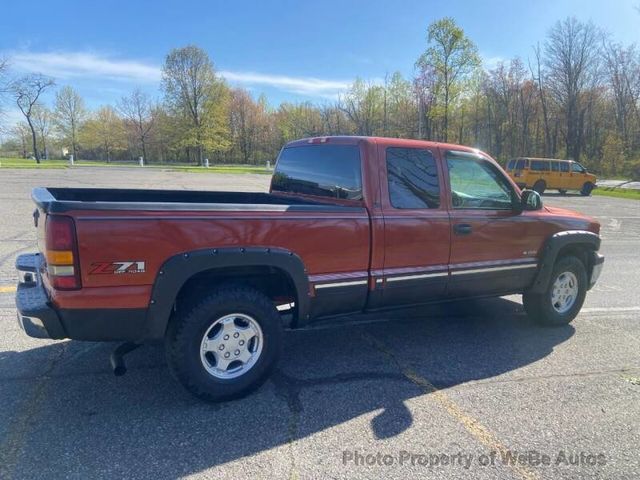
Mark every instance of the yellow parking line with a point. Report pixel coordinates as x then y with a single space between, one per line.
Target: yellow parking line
478 431
7 288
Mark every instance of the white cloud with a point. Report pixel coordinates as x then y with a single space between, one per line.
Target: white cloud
82 64
92 66
491 62
300 85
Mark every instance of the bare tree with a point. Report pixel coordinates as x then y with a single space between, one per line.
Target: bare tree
572 52
27 90
69 113
42 117
138 114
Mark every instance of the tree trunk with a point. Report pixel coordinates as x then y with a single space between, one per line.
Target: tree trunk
34 140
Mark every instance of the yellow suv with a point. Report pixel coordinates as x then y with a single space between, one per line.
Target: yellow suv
543 173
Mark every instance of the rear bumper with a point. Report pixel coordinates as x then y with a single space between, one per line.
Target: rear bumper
39 318
597 262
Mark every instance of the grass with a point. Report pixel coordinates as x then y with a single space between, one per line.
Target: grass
627 193
47 164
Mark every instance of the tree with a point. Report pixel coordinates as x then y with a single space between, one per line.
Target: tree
572 56
452 57
27 90
4 67
104 130
69 114
42 121
193 92
138 114
21 132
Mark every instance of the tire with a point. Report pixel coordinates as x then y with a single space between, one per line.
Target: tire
244 313
540 186
562 191
587 188
541 308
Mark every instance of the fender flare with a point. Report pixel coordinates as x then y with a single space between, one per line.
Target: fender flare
585 239
177 270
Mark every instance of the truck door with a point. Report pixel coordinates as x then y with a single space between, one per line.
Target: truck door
493 248
416 226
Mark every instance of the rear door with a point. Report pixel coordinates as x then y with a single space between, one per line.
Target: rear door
493 248
416 226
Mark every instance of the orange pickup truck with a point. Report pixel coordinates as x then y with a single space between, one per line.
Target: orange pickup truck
350 224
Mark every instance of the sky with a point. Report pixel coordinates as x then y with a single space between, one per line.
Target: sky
287 50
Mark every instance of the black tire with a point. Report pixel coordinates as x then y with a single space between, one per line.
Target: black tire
539 306
587 188
186 332
540 186
562 191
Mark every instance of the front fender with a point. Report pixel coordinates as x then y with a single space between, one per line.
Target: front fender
582 238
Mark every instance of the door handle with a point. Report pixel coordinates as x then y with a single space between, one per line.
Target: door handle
462 229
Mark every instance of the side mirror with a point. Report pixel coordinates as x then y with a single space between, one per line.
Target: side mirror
530 200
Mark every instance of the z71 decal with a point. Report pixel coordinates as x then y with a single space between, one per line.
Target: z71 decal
116 268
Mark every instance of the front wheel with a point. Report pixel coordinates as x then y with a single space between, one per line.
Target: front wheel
540 186
560 303
226 345
586 190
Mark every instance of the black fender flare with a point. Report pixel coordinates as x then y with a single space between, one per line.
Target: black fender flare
177 270
553 245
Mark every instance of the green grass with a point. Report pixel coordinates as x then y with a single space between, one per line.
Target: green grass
27 163
46 164
627 193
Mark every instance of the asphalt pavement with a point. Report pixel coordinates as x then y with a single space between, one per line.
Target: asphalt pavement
471 390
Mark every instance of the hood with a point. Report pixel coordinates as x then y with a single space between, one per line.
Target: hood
573 220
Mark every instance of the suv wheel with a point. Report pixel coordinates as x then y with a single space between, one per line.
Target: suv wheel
563 298
540 186
226 345
586 189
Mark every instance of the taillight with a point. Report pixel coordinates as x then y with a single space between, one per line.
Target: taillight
61 252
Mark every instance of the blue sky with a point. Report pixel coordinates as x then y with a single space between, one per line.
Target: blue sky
288 50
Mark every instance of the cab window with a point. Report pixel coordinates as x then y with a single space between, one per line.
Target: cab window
477 183
577 168
322 170
412 177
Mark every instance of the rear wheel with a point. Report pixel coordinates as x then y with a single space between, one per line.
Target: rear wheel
540 186
562 191
562 300
587 188
226 345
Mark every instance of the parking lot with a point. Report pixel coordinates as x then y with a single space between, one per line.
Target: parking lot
448 391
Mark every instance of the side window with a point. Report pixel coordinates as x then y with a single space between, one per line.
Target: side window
577 168
555 166
539 166
413 178
564 166
476 183
521 164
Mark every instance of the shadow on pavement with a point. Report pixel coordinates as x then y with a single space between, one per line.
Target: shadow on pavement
79 420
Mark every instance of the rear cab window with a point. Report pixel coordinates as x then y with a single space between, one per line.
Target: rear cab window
332 171
412 177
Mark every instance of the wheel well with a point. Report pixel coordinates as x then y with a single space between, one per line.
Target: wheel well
580 251
272 281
